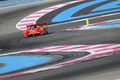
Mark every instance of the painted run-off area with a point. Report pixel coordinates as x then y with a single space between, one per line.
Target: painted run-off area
19 62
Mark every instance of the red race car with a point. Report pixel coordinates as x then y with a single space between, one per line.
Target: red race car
35 29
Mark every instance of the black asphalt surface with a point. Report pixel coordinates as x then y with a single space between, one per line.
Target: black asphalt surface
12 40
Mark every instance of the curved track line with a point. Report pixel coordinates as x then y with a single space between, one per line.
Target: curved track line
84 26
97 51
31 19
68 48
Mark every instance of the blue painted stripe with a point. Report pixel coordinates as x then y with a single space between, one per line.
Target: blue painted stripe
20 62
115 4
58 18
18 4
106 26
66 15
113 22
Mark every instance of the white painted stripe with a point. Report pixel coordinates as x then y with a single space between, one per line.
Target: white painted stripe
26 22
9 53
105 47
58 6
41 69
78 49
34 16
51 47
75 1
113 20
105 51
33 50
62 48
45 10
102 51
29 19
75 48
37 14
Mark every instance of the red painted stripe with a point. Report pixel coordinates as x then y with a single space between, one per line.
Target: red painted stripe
107 49
79 0
22 27
33 17
55 48
100 46
83 46
70 62
41 12
96 17
101 54
65 3
51 8
27 20
97 23
25 24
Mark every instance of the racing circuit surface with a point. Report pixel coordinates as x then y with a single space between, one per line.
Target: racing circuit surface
63 54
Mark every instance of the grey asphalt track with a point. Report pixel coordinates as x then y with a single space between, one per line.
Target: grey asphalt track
11 39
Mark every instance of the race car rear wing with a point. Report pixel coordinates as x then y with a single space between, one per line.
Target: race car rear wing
37 24
42 23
